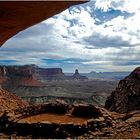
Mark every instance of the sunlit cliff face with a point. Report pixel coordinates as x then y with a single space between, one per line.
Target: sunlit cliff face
98 35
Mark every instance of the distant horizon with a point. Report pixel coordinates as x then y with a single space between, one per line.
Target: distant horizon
67 71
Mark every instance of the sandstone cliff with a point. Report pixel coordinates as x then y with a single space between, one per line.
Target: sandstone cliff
14 76
126 97
49 73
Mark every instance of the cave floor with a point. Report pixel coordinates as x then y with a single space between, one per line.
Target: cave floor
53 118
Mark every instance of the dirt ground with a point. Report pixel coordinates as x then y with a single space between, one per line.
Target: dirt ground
54 118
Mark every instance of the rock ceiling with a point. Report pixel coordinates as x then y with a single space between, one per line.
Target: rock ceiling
16 16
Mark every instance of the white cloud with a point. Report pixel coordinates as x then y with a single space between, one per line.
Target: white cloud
75 34
131 6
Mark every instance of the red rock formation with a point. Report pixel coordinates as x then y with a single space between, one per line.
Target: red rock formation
19 76
50 71
126 97
26 81
26 70
16 16
10 102
2 75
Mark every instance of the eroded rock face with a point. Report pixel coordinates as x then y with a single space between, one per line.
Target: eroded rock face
57 74
10 102
49 73
31 76
26 70
14 76
17 16
76 75
126 97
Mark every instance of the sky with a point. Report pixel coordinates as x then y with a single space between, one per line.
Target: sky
100 35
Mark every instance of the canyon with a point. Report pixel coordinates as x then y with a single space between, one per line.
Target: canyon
40 85
19 119
58 119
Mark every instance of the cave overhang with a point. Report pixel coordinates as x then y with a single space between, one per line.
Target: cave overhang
16 16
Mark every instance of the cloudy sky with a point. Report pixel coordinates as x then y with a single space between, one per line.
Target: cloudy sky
101 35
